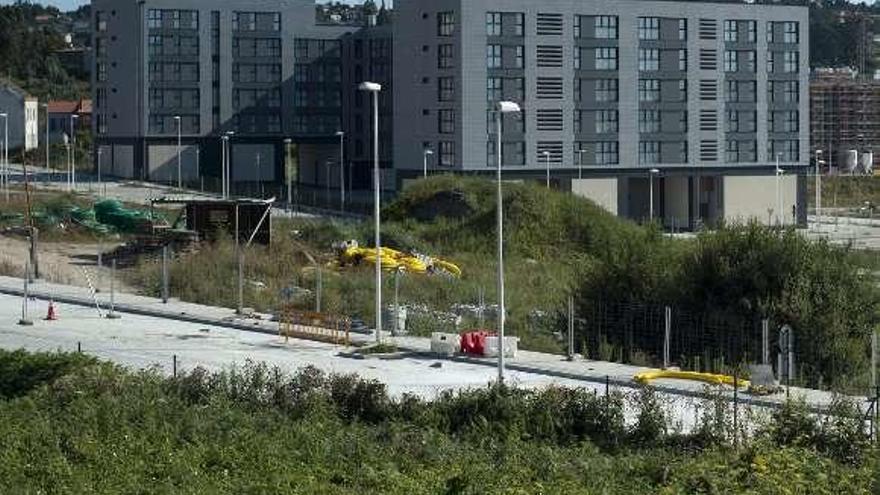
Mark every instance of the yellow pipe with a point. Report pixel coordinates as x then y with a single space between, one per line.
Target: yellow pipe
711 378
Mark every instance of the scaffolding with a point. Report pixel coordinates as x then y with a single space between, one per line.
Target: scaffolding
845 116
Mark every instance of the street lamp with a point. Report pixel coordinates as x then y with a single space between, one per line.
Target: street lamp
375 88
819 163
779 173
225 165
179 170
48 173
99 169
651 174
547 161
501 108
260 175
287 143
72 172
5 175
341 136
425 154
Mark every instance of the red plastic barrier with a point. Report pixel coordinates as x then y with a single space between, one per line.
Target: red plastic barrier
474 342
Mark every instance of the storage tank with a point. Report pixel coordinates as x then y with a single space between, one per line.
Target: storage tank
850 161
866 162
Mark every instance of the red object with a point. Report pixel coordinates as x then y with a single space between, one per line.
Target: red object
51 315
474 342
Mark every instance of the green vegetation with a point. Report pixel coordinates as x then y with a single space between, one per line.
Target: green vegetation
557 246
99 429
849 193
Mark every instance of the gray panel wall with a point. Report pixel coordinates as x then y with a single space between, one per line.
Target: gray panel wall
416 27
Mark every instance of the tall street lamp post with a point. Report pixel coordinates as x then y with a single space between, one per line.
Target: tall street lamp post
425 154
503 107
341 136
375 88
179 168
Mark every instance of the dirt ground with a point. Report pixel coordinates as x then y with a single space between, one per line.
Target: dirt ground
60 262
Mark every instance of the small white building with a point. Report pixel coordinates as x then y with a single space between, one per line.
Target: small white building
23 117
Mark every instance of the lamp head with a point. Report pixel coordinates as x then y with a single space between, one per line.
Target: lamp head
507 107
340 133
370 86
655 171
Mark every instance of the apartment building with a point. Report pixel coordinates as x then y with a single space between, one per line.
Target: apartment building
695 102
262 72
21 119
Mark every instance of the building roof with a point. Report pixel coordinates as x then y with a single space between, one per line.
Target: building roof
71 106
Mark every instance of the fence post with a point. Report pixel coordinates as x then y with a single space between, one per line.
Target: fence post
396 327
112 314
735 408
240 305
25 321
765 341
174 365
874 360
570 328
165 274
79 348
319 287
667 337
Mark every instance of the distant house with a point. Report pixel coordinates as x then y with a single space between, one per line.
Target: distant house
61 118
22 111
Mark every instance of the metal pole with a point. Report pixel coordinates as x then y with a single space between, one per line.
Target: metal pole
99 169
24 321
376 213
547 159
765 341
240 305
260 174
289 178
165 274
667 337
48 173
35 260
651 196
341 171
500 247
199 164
223 167
874 360
179 167
570 328
396 302
6 156
818 192
73 155
319 288
735 408
112 313
778 196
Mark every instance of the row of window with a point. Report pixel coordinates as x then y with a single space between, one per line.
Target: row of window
172 19
171 45
173 72
256 98
256 73
307 49
167 123
256 21
187 99
649 28
320 97
317 73
256 47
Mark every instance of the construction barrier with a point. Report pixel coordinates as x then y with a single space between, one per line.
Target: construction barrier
313 326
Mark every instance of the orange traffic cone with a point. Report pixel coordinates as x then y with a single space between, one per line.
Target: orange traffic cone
51 315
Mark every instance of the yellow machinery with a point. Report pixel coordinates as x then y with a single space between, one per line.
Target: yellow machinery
350 253
710 378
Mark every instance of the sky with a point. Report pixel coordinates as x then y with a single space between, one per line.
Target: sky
66 5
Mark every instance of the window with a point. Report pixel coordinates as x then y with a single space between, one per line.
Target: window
446 121
606 153
752 31
493 23
649 90
731 95
682 90
649 59
741 151
731 31
154 19
649 121
649 152
444 56
520 60
771 62
493 56
606 90
516 88
791 92
606 122
683 60
606 27
791 122
682 29
790 32
102 71
100 21
447 153
445 89
445 23
649 28
494 91
731 61
606 58
791 62
786 150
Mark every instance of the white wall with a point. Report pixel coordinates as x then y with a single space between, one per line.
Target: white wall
754 197
163 162
602 191
31 122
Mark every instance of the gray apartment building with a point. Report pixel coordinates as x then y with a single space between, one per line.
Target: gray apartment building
695 99
263 72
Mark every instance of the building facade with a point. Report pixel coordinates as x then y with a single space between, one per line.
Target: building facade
22 116
844 120
263 72
694 100
67 117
